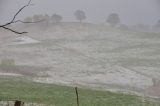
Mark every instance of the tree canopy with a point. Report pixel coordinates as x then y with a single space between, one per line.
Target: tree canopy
80 15
113 19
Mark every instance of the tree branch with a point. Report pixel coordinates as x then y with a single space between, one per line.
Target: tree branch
13 30
20 11
13 20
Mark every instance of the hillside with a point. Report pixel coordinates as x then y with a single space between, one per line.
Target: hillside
88 55
38 94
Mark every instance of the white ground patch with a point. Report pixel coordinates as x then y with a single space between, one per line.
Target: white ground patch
89 55
23 40
116 76
9 74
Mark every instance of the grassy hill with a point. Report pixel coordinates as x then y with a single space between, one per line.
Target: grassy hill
88 55
48 94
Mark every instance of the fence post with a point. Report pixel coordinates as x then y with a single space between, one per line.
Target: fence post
77 96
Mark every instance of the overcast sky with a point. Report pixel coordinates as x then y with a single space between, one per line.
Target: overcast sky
130 11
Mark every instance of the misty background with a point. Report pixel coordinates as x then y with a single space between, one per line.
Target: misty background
130 11
120 51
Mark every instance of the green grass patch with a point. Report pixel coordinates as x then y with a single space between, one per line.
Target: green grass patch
28 91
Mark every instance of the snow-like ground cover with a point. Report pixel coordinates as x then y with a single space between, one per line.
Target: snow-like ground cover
23 40
9 74
90 55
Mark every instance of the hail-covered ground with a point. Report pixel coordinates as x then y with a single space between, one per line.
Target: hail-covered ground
85 55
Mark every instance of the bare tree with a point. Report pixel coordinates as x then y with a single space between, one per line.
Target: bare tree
56 18
80 15
5 26
113 19
28 19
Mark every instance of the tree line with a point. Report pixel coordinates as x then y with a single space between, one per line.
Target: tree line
113 19
55 18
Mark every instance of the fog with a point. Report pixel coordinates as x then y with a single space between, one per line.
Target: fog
130 11
108 44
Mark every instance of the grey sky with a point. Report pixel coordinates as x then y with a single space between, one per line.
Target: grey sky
130 11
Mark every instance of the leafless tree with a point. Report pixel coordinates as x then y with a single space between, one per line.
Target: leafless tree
80 15
113 19
13 21
56 18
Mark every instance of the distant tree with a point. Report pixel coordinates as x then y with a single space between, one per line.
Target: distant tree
113 19
41 19
28 19
80 15
56 18
36 17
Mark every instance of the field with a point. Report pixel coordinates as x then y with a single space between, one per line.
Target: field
88 55
48 94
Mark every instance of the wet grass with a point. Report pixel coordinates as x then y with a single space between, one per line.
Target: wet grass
28 91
